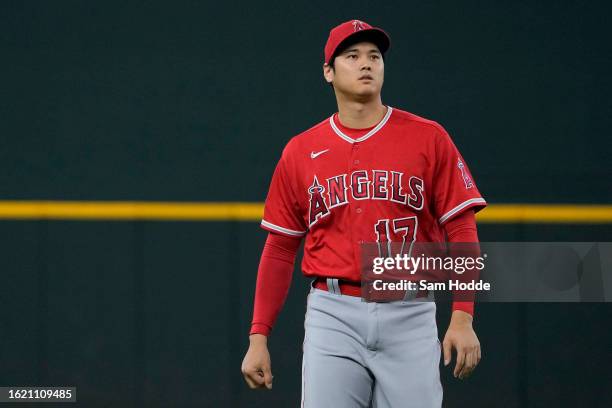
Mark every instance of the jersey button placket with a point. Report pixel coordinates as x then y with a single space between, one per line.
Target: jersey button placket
353 163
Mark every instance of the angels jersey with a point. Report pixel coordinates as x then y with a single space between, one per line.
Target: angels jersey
398 181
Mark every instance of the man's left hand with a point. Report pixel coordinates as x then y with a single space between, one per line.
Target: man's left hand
461 336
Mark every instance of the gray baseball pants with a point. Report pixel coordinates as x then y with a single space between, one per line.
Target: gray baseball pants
380 355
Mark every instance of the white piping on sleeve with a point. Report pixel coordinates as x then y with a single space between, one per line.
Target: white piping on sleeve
282 229
461 207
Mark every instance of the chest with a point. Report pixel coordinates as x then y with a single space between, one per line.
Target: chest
372 168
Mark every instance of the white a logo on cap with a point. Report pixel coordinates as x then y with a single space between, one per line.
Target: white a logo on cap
357 25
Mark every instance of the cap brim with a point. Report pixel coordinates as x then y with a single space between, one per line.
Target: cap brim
374 35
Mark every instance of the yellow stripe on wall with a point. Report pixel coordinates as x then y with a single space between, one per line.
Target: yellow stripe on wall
130 210
237 211
546 213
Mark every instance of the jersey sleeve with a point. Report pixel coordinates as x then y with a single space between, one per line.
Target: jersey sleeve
282 211
454 188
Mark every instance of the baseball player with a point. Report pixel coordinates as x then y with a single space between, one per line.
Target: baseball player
370 173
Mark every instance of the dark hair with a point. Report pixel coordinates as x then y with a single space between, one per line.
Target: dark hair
370 36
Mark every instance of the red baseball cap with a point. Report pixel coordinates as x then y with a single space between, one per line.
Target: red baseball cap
353 31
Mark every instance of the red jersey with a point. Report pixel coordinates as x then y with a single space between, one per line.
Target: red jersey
400 181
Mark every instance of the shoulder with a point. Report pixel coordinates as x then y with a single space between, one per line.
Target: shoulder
303 141
405 118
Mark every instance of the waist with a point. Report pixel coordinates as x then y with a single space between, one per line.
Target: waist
354 288
349 288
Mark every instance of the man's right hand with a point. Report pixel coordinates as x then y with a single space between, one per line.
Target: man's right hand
256 366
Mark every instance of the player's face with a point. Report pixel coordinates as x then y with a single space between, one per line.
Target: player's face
358 71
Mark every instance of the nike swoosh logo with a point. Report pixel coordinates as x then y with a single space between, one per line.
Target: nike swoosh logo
314 155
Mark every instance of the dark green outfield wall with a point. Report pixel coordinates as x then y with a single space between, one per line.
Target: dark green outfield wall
194 102
156 314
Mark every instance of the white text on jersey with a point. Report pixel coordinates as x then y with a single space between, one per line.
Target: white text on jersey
364 185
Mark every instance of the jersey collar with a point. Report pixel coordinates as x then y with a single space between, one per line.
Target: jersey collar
367 135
